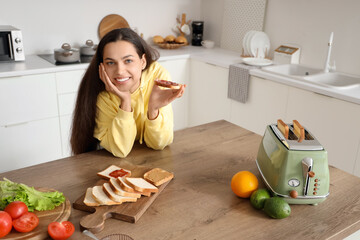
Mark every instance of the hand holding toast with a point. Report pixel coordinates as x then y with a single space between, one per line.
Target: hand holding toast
161 97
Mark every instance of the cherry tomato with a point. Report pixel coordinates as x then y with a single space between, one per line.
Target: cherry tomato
5 223
16 209
26 223
61 231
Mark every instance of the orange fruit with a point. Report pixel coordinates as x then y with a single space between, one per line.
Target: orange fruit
244 183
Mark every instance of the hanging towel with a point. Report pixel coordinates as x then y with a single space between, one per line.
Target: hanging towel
238 84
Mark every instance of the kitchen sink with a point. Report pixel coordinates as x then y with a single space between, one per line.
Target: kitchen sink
292 70
335 80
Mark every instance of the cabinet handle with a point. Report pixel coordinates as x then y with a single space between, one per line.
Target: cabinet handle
323 95
15 124
211 64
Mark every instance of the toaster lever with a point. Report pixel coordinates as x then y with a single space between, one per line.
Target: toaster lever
307 164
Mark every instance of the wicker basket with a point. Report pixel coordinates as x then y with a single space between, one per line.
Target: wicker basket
171 45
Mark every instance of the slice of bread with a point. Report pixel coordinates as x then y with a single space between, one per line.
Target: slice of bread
99 196
141 185
299 130
113 196
284 129
89 200
158 176
115 186
106 173
167 84
126 187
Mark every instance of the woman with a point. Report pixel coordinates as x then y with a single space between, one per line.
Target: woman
118 101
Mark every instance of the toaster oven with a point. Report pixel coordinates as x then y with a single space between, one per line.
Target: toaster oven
293 167
11 44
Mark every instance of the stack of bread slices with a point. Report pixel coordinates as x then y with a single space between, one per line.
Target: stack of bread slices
121 188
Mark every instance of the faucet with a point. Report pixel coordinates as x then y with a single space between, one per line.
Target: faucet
327 62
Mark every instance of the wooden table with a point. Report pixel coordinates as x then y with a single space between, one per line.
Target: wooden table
198 203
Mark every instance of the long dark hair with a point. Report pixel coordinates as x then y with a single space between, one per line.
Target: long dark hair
83 124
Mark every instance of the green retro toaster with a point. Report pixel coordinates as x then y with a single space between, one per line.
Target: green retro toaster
293 165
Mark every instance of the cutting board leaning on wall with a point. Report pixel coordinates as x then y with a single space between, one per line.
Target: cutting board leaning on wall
111 22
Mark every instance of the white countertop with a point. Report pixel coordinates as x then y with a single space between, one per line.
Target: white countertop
216 56
350 95
36 65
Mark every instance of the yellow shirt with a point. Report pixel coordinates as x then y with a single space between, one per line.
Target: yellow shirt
117 129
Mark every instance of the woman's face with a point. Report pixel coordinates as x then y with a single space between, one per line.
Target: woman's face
123 65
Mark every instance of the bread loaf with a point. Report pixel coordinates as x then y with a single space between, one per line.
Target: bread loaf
158 39
181 39
170 38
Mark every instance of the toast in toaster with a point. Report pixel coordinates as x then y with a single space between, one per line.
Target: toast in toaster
299 130
284 129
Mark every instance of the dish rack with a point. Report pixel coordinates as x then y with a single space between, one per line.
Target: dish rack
255 44
257 54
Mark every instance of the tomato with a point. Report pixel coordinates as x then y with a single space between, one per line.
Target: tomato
26 223
5 223
61 231
16 209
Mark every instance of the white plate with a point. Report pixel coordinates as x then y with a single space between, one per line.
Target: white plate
257 61
243 44
259 45
245 40
248 41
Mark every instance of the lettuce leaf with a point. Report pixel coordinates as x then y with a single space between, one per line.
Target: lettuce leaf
34 199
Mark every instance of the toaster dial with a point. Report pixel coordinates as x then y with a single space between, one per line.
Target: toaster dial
294 182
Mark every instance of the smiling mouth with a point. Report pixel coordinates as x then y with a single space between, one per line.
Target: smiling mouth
122 79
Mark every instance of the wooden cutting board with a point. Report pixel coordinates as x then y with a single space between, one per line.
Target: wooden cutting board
111 22
59 214
129 212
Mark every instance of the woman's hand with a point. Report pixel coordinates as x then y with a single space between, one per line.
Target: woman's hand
162 97
110 87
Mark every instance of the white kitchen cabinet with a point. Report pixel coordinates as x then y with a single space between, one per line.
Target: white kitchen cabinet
27 98
29 143
208 100
179 72
265 104
67 103
67 87
29 123
36 118
68 81
357 163
65 129
335 123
